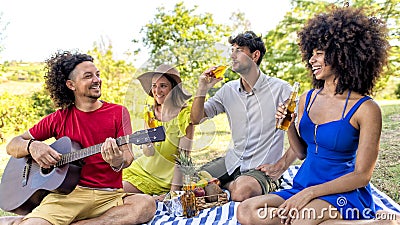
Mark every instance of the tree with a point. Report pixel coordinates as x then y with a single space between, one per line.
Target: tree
115 74
185 39
389 11
283 58
240 23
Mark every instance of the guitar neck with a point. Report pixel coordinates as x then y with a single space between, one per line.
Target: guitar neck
139 137
85 152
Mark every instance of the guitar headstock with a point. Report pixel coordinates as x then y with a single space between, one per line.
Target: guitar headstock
156 134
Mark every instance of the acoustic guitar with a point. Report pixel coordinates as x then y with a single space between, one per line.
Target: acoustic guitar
24 183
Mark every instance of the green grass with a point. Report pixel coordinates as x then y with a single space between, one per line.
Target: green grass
23 87
386 176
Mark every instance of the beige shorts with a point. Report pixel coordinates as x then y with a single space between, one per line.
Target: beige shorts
81 203
217 169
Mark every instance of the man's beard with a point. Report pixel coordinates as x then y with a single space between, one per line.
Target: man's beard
95 96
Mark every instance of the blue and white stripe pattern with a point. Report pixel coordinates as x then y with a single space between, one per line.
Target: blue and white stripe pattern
226 214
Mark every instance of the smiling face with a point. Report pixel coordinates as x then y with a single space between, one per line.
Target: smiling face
320 69
160 88
85 81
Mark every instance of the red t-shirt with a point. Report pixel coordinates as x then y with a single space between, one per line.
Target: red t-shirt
88 129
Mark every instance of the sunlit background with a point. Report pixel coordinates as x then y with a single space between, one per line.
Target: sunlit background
37 28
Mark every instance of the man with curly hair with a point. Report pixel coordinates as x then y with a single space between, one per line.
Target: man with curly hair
74 84
339 126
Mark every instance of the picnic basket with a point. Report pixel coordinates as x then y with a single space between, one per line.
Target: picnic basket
201 202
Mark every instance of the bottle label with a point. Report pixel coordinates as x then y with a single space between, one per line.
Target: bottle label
285 122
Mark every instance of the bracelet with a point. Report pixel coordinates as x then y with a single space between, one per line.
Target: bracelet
119 168
29 145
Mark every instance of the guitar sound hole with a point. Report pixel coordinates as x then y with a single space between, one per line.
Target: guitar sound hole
46 170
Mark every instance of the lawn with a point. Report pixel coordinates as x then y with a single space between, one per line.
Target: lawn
19 87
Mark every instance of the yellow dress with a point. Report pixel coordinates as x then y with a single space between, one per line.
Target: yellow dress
153 174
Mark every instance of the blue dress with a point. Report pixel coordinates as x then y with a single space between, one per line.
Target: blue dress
331 153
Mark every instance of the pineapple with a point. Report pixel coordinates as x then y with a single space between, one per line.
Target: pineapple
185 164
188 199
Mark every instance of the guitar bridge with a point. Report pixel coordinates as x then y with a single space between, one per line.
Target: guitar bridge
25 173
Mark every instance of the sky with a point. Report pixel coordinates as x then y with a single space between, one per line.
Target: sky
37 29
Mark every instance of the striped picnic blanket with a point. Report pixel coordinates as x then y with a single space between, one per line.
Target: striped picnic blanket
226 214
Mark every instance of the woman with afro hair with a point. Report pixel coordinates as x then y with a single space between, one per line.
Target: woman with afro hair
339 126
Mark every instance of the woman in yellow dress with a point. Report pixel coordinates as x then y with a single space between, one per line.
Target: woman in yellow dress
155 172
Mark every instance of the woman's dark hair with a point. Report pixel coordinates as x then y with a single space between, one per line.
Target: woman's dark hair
250 40
171 80
355 47
58 70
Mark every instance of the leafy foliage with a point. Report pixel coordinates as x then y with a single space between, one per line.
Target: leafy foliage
42 103
115 74
19 111
17 71
119 83
283 56
185 163
397 91
185 39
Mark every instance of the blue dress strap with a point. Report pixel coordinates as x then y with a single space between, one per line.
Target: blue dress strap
308 98
345 105
308 104
356 106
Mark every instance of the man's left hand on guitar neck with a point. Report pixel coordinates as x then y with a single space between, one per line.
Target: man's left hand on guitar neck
114 155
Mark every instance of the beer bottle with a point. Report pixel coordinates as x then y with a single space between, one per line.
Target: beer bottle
188 199
149 117
290 106
220 71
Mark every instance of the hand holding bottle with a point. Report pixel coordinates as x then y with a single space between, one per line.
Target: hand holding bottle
207 80
149 117
282 111
219 71
285 114
208 76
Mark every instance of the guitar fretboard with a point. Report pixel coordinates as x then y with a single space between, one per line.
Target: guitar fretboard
139 137
79 154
